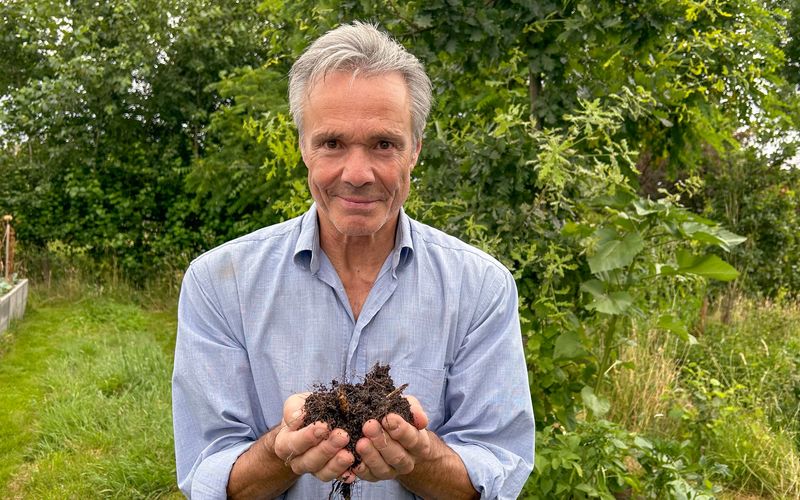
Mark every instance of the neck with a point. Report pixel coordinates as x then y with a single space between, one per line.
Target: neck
357 259
360 256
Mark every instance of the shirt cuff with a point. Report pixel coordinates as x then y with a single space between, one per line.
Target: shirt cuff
481 467
211 477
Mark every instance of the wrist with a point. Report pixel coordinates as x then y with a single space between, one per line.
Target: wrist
259 472
439 474
268 454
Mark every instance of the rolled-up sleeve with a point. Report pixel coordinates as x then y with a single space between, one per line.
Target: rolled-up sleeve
488 400
214 401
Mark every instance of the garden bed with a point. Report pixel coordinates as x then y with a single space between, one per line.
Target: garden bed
12 304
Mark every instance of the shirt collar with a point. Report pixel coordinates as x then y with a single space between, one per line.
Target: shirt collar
307 250
403 244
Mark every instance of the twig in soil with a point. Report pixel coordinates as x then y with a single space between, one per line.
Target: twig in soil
396 391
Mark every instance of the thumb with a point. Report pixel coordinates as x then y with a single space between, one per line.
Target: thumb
419 416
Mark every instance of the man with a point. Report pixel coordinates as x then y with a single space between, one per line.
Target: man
350 283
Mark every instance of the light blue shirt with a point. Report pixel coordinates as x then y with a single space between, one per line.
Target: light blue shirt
266 316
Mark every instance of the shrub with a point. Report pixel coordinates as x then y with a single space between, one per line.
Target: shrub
600 459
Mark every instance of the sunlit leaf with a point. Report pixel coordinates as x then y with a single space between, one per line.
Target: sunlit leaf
708 266
616 253
597 405
568 346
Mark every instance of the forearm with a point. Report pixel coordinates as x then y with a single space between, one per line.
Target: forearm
443 475
259 473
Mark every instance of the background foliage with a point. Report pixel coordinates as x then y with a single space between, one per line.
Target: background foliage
615 155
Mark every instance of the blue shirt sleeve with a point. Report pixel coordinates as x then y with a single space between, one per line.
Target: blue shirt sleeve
214 413
491 423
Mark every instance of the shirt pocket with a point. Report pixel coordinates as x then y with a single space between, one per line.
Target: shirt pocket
425 384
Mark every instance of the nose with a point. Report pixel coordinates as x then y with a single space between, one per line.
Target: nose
357 170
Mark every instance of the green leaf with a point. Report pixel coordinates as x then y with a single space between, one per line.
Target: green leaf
568 346
423 21
676 326
665 270
615 253
646 207
708 266
595 287
712 235
642 443
729 238
608 303
597 405
619 200
541 463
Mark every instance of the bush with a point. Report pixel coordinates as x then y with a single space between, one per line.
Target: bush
600 459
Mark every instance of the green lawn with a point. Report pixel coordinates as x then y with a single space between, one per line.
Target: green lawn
85 401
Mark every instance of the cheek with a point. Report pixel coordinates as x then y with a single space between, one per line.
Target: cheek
320 173
402 181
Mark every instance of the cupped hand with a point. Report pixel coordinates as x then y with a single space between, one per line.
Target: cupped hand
393 446
312 449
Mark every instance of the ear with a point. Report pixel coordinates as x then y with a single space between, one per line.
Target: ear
417 149
302 150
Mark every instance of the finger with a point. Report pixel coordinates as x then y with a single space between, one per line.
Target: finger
291 443
410 441
369 456
293 409
364 473
416 442
383 456
373 431
337 467
316 459
420 418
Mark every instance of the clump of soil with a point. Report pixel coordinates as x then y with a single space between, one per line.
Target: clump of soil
348 406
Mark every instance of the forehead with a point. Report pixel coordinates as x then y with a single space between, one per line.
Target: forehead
345 96
347 80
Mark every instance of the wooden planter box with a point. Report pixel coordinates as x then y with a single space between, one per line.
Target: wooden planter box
12 304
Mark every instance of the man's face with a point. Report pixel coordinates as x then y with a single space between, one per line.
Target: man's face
359 149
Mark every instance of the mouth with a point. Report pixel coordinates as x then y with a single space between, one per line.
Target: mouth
357 203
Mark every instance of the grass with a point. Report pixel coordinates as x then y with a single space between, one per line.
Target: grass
642 387
737 393
758 354
86 400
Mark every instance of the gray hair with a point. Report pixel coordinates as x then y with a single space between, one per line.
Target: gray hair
362 49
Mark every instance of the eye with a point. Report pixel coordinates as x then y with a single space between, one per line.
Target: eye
331 144
385 145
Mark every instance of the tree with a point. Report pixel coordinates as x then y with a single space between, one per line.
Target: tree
105 114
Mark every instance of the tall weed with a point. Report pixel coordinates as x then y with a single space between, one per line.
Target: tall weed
732 398
759 349
64 273
642 385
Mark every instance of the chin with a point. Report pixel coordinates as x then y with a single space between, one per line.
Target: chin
358 228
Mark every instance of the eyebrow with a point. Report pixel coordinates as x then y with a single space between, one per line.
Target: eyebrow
391 135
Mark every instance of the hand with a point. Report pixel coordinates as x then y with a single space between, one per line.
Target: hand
314 448
393 447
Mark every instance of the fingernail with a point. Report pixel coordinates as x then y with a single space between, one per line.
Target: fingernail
320 433
371 430
342 435
296 414
391 423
